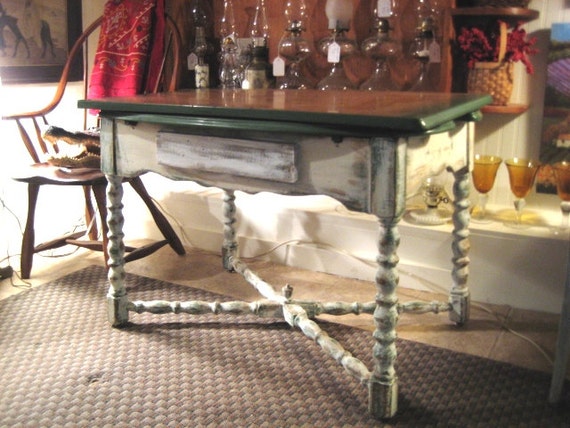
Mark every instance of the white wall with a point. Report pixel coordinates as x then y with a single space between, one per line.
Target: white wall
522 268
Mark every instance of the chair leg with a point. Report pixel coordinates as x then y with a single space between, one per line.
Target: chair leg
27 256
89 213
100 192
159 218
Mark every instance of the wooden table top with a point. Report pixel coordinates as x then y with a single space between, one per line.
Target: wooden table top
394 111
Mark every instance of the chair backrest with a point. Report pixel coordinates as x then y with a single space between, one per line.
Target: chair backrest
30 123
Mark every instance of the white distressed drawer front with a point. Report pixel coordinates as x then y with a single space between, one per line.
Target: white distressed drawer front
245 158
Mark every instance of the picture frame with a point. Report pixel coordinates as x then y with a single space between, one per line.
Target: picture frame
555 138
35 39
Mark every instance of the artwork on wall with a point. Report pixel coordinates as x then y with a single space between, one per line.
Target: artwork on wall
35 37
555 141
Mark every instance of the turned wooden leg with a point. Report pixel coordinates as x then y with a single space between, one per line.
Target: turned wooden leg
459 295
383 387
229 246
27 256
117 295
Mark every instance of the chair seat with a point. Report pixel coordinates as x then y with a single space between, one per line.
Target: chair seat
44 173
77 159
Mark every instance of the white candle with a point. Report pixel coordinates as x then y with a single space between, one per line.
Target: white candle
339 13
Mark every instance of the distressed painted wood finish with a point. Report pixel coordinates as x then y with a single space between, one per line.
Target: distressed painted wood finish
366 150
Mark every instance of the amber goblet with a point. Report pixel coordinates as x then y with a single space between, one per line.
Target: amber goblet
522 173
562 175
484 172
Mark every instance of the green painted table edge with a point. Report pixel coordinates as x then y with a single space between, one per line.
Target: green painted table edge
466 108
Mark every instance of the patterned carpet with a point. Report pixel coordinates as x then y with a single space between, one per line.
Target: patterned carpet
61 364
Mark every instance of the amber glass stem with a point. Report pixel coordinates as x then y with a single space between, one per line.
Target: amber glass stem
483 198
519 205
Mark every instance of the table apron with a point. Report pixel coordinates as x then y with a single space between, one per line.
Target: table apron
374 175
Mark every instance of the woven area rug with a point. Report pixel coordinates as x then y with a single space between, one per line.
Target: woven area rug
61 364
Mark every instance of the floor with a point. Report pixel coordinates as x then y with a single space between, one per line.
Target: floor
502 333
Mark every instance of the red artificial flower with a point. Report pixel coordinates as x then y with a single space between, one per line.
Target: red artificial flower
478 45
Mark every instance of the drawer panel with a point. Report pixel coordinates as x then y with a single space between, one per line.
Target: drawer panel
245 158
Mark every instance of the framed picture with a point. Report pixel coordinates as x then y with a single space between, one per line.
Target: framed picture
555 144
35 38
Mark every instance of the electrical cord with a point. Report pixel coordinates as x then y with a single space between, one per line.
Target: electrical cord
300 242
428 284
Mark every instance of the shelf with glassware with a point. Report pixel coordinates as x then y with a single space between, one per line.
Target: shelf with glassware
380 35
540 219
484 18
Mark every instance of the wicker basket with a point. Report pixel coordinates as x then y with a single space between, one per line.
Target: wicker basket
494 78
501 3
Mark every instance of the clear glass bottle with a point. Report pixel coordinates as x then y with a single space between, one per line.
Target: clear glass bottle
201 48
422 19
229 71
420 50
258 72
259 28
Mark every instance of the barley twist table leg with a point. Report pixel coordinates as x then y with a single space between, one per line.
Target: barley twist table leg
459 295
383 389
229 246
117 295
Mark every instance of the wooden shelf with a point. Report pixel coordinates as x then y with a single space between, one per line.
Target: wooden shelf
511 14
465 17
508 109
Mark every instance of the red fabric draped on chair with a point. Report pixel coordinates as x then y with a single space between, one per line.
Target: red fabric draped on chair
130 54
130 43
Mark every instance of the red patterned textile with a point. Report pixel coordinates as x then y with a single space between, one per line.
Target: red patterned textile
123 48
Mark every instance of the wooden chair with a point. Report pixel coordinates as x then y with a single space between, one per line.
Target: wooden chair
92 180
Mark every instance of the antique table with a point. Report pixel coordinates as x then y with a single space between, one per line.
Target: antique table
368 150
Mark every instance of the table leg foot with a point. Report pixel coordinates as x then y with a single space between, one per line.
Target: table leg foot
460 302
383 398
118 312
